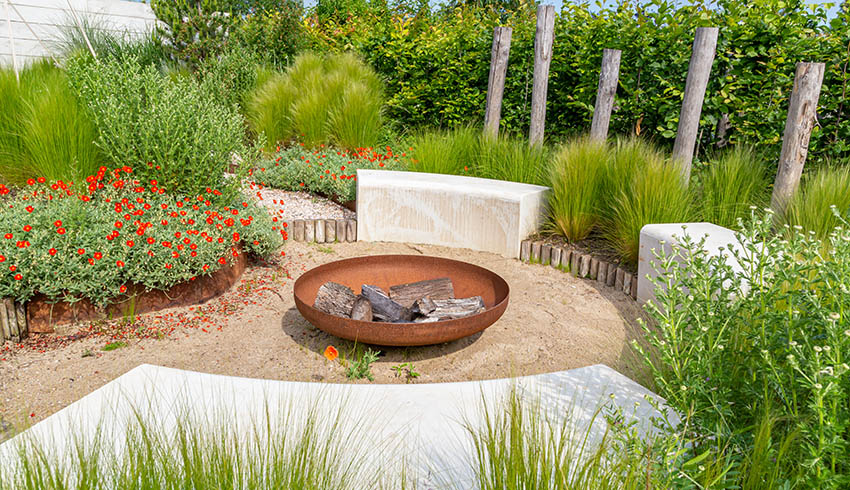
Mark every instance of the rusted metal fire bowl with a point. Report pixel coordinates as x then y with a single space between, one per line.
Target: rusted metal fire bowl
388 270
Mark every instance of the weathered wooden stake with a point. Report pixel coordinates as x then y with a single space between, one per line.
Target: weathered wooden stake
543 40
496 82
802 109
609 76
5 331
702 56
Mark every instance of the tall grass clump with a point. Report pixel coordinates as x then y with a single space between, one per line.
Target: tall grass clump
83 34
641 187
45 130
450 152
511 158
811 206
466 151
576 176
333 98
731 184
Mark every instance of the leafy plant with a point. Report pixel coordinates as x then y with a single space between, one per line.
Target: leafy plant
326 171
333 99
195 31
511 158
44 127
168 129
731 185
274 30
361 367
812 206
768 336
576 179
444 152
118 234
113 346
409 371
80 35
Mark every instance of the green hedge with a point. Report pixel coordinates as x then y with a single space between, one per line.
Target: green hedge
436 67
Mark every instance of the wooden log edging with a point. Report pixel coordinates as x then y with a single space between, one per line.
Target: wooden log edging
580 264
324 230
14 326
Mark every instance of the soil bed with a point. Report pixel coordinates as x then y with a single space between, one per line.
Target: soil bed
553 322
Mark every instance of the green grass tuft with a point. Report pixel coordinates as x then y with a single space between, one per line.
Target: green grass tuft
576 177
45 130
320 99
731 184
811 206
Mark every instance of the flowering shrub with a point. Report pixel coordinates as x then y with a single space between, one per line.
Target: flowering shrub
326 171
770 342
69 243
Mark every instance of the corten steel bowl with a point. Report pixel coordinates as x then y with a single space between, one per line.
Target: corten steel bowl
389 270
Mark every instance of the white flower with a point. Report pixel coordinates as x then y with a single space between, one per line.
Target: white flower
847 332
704 329
817 348
835 316
818 386
826 348
720 347
684 388
827 370
793 343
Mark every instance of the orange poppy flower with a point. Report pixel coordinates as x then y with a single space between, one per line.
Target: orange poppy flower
331 353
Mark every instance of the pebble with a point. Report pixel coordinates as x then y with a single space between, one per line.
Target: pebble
302 205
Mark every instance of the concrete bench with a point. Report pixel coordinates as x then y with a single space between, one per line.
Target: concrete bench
449 210
654 237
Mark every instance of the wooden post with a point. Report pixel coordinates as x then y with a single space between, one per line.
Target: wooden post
798 129
496 82
702 56
609 76
543 40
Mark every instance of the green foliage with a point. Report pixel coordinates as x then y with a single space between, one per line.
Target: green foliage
436 67
729 346
92 34
361 367
194 30
44 127
274 31
466 151
576 179
120 233
320 99
229 77
113 346
811 206
640 187
327 171
169 129
731 184
445 151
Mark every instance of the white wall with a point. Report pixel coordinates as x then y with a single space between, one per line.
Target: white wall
46 17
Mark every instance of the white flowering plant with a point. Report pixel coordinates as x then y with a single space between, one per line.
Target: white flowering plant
770 340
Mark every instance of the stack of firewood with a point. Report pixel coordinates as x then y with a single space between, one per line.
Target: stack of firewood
418 302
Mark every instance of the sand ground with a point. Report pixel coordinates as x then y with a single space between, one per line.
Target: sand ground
553 322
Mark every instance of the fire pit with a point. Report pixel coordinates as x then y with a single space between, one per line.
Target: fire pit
385 271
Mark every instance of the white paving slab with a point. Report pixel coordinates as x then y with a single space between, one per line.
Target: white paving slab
419 425
449 210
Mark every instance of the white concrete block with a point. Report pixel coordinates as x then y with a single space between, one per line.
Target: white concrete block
420 427
449 210
654 237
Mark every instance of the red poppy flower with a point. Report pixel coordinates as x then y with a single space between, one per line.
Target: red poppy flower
27 228
61 231
222 261
168 266
18 277
130 243
2 258
122 289
8 236
52 251
331 353
119 263
98 255
57 223
13 268
29 209
81 251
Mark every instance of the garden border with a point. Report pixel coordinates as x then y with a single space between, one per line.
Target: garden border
580 264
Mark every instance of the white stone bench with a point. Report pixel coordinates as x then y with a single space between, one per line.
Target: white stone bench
449 210
654 237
